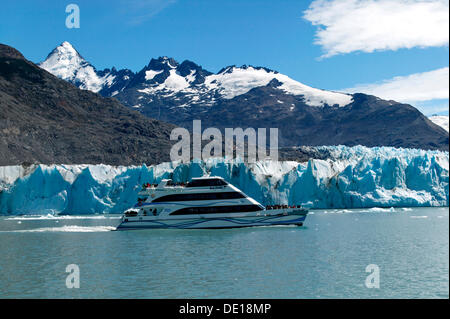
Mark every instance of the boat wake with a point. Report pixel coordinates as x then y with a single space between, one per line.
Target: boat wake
59 217
68 229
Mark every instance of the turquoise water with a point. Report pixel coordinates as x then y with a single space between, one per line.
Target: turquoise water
326 258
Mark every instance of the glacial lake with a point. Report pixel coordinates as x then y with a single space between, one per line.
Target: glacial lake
326 258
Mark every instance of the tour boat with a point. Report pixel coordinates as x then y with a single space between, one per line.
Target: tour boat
207 203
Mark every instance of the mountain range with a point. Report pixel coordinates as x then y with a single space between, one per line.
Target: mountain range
249 96
44 119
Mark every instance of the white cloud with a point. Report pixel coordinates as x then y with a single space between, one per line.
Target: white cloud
417 87
346 26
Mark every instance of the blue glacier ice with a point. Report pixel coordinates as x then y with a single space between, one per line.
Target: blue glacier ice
350 177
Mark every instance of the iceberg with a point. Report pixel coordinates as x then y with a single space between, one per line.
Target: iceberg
348 177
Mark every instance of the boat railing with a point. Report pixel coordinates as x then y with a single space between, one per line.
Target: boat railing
148 185
271 207
152 186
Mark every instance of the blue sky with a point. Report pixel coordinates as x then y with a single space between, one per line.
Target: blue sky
393 49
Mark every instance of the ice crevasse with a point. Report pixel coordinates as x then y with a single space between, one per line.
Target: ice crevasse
349 177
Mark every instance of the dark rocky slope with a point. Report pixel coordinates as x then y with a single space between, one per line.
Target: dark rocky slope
47 120
367 121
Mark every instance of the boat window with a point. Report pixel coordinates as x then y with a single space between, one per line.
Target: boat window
199 196
206 182
130 213
217 209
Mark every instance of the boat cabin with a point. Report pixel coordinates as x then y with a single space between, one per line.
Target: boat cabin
196 182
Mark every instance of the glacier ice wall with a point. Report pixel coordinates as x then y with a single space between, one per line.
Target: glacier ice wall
351 177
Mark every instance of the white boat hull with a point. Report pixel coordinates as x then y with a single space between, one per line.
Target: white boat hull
295 217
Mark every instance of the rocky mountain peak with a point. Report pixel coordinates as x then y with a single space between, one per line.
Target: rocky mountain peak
162 63
64 54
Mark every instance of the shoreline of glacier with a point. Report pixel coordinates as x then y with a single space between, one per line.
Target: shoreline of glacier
351 177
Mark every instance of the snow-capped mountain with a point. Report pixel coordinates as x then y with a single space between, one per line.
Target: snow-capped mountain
201 86
249 96
441 120
166 77
66 63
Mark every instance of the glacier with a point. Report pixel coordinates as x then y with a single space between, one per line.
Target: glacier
349 177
